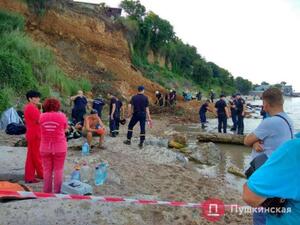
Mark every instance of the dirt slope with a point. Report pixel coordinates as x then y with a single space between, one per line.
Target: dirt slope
85 46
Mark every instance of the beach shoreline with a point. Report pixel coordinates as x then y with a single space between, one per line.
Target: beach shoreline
151 173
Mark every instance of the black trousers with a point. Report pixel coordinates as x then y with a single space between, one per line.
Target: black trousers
137 117
234 120
114 125
78 115
240 124
222 123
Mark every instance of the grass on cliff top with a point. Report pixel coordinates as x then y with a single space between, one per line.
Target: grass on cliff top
25 65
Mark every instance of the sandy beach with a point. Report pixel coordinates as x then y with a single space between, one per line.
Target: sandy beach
150 173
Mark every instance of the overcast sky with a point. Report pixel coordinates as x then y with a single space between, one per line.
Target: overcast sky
256 39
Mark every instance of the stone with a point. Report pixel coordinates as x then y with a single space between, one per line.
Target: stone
236 171
207 153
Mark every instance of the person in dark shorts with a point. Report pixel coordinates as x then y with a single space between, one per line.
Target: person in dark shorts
240 109
202 112
115 110
139 109
79 109
222 113
98 104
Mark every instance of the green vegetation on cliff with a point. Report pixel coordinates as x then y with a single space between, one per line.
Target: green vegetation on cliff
147 32
25 65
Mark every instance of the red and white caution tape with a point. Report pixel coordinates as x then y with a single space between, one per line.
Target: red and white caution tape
41 195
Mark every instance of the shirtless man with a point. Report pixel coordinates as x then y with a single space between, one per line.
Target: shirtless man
93 126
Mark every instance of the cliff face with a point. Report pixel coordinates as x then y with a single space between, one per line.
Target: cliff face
85 46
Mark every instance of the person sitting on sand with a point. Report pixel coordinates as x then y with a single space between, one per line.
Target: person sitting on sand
93 126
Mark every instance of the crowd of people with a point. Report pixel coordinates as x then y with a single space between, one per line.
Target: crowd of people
273 178
167 99
47 127
235 108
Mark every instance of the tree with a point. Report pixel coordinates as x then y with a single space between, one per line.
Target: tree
244 86
134 9
283 83
264 83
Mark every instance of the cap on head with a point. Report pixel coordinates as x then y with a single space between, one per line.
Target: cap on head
94 111
238 94
141 88
222 96
233 96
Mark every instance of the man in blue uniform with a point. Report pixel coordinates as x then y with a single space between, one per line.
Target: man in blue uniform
98 104
115 109
240 110
202 112
233 110
222 113
139 109
79 109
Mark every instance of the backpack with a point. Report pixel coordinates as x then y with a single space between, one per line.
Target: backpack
15 129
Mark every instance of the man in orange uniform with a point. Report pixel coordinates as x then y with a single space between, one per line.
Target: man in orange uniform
33 163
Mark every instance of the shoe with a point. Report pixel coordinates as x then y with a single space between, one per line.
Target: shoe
127 142
141 145
232 129
112 135
32 181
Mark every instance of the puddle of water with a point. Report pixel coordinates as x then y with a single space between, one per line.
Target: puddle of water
232 155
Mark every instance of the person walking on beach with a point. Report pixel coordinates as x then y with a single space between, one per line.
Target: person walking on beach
271 133
240 110
139 109
79 109
33 165
202 112
222 113
115 110
53 147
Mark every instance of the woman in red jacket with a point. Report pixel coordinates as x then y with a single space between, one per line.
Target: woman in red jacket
53 144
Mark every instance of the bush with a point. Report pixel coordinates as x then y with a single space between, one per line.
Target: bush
6 98
10 22
26 65
15 73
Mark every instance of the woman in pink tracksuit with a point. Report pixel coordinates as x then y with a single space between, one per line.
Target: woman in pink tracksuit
53 146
